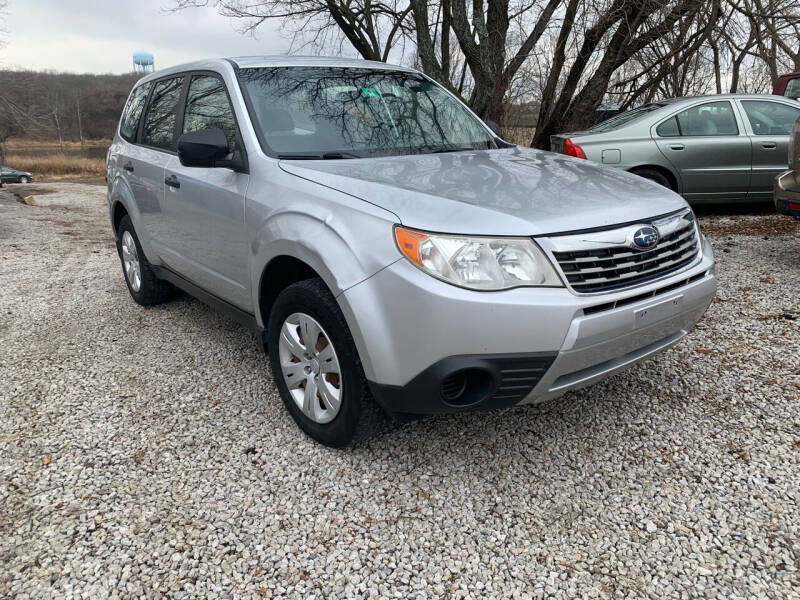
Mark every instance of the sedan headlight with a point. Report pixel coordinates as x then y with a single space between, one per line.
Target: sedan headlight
476 262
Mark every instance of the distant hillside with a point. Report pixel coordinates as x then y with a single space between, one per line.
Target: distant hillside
61 106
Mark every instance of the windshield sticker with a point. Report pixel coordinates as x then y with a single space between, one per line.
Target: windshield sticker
370 92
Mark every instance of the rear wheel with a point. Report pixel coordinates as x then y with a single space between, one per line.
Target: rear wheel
145 288
656 176
317 370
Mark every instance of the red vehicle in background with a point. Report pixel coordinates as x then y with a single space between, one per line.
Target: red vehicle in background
788 85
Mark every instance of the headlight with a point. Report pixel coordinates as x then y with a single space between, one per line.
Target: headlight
480 263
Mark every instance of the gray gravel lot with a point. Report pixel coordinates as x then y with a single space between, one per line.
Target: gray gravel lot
146 452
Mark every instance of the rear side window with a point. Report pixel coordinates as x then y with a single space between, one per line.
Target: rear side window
129 122
208 107
621 119
669 128
713 118
162 114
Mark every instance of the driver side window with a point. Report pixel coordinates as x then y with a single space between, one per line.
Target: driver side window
207 107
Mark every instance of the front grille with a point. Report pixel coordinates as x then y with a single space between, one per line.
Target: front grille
604 261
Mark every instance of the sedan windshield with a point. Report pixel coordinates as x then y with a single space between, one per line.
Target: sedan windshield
316 112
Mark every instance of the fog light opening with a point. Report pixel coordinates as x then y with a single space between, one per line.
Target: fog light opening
466 387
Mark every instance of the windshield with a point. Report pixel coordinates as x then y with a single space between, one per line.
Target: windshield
624 118
323 112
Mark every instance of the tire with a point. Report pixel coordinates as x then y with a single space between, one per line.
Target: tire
357 417
656 176
24 180
146 289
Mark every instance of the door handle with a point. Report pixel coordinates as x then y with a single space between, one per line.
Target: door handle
677 147
769 145
172 181
128 166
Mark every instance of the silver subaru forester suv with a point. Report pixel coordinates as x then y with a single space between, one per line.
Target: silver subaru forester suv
396 257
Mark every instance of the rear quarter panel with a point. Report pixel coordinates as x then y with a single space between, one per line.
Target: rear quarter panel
119 191
625 151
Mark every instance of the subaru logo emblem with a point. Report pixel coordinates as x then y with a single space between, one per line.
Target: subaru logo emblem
645 238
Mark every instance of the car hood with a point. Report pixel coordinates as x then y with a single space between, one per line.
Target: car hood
514 191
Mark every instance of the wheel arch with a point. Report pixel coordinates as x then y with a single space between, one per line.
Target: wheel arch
120 197
118 211
293 245
279 273
665 171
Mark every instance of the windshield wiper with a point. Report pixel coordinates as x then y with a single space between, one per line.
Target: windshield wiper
323 156
452 149
444 148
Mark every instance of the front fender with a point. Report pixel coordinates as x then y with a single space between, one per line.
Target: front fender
344 250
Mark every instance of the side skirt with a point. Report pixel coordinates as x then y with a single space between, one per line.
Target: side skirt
226 308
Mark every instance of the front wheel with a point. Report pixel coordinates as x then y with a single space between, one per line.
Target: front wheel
316 367
24 180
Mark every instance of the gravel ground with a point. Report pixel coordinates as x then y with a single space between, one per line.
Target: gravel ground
146 452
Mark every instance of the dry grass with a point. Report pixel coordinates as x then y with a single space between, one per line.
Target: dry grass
51 145
57 165
521 136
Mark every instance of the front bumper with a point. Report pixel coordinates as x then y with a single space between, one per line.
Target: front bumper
786 193
415 334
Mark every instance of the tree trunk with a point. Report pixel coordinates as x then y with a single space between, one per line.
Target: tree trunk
80 127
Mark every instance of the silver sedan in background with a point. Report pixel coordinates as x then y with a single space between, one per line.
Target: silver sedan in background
722 148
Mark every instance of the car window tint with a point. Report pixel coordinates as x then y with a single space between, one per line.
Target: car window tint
621 119
770 118
133 112
208 106
669 128
358 112
713 118
793 88
159 124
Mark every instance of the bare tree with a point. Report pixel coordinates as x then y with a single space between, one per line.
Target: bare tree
618 33
371 27
483 39
567 56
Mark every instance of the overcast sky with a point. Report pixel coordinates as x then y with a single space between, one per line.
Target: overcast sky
100 36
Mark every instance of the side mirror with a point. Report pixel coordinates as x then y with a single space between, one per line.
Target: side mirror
495 128
203 148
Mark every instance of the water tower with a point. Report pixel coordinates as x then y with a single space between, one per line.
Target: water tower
143 62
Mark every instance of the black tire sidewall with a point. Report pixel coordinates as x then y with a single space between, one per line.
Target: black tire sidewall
301 298
654 176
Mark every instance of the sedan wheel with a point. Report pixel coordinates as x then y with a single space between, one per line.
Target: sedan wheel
310 367
24 180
